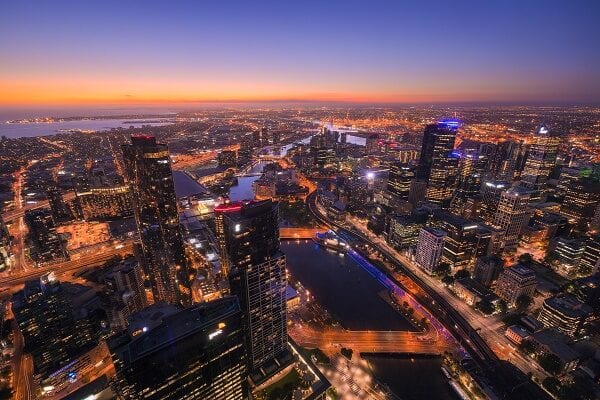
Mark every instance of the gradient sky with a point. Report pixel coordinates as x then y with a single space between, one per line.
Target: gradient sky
112 52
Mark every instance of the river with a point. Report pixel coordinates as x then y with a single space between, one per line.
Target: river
352 297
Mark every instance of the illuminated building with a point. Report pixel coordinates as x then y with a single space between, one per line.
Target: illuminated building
399 179
403 231
541 158
491 191
257 277
487 269
124 292
437 163
471 167
372 144
227 158
568 176
194 353
46 318
46 244
5 243
507 161
580 202
430 247
566 253
514 282
512 215
465 240
565 313
589 263
148 170
105 203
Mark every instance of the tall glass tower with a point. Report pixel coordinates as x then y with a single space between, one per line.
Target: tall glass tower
148 170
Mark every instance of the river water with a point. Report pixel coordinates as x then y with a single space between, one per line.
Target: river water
353 297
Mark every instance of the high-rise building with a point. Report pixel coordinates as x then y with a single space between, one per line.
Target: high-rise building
565 313
148 170
512 215
514 282
465 240
487 269
580 202
257 276
46 318
491 191
437 163
403 230
589 263
399 179
471 167
507 161
540 160
46 243
195 353
430 247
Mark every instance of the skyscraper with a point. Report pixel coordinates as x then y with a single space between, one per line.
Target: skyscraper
148 170
512 215
5 242
471 167
257 276
540 160
491 191
514 282
430 248
46 244
399 179
437 164
580 202
196 353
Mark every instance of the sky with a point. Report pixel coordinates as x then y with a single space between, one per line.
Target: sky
183 52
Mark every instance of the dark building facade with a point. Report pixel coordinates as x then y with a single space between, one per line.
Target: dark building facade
437 165
148 170
399 179
250 233
196 353
45 242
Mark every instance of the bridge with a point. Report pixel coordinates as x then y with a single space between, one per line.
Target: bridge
299 233
401 342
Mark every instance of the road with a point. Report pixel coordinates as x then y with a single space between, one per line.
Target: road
299 233
85 261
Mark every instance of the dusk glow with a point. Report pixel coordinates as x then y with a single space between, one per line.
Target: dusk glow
157 52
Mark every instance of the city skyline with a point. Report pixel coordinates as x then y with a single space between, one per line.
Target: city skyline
68 53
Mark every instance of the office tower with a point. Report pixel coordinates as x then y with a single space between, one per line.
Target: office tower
565 313
589 263
430 247
512 215
46 244
491 191
195 353
227 158
507 161
567 253
257 277
567 178
52 334
437 164
148 170
580 202
399 179
105 203
403 230
417 192
540 160
514 282
487 269
124 292
471 166
220 212
5 243
465 240
59 209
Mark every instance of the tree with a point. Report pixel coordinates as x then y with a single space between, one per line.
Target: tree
501 307
448 280
528 347
525 258
443 269
485 306
461 274
347 353
523 302
550 363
